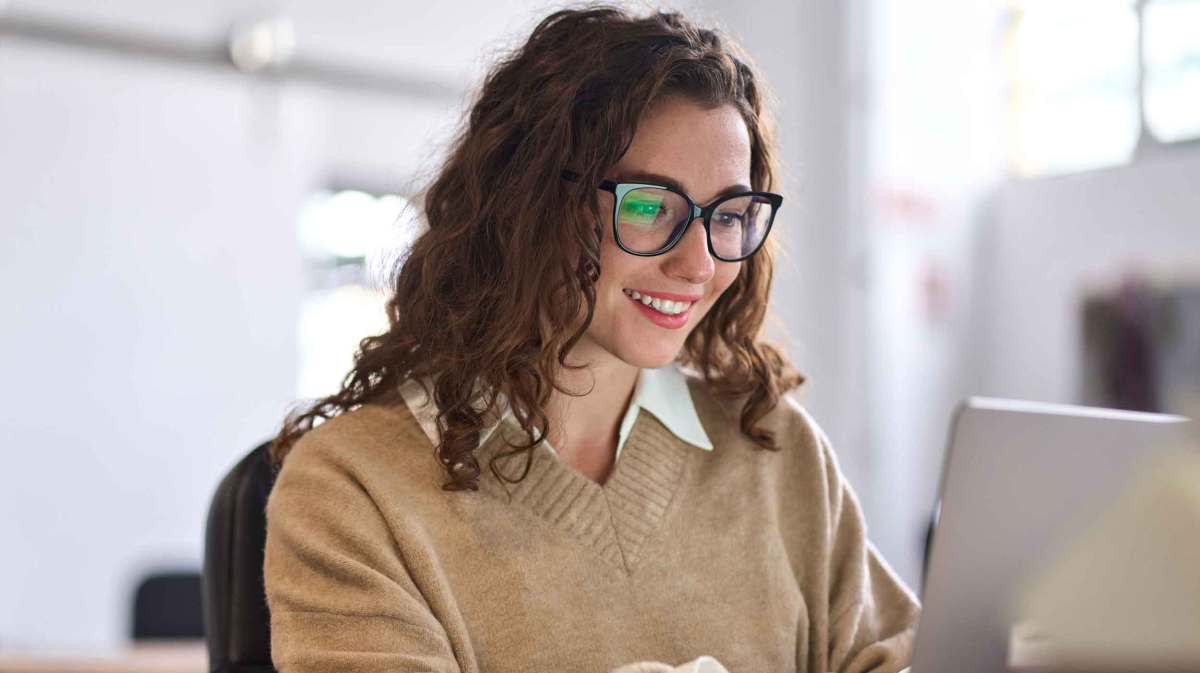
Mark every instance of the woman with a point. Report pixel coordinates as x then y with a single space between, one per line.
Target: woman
570 451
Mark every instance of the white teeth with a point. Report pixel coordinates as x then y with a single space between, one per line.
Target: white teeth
665 306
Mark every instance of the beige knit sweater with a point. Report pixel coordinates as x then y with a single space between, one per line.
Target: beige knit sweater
758 558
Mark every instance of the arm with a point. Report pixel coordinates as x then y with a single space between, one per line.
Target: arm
340 595
872 615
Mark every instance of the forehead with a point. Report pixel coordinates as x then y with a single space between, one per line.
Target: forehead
704 149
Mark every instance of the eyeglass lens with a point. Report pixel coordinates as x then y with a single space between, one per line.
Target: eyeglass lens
649 219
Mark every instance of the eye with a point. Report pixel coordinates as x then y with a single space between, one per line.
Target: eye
647 213
730 218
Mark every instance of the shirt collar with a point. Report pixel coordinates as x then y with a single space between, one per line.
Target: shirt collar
662 392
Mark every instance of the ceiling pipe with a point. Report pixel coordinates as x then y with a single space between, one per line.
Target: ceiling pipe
261 49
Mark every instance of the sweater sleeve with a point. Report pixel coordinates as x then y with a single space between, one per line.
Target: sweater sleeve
340 595
872 614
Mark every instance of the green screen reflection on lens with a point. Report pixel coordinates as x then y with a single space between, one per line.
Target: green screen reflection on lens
640 208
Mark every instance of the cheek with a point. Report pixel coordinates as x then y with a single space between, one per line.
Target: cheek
608 252
724 276
619 269
614 275
610 264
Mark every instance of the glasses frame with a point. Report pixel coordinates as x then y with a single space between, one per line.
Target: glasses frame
620 189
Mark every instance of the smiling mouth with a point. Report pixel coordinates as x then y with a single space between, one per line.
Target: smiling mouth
664 306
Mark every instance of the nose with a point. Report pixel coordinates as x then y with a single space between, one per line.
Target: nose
689 259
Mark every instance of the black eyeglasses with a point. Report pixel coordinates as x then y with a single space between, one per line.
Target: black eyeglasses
650 219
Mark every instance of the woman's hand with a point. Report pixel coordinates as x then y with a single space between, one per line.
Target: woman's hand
701 665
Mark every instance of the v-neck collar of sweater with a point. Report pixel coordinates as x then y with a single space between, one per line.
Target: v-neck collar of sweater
615 519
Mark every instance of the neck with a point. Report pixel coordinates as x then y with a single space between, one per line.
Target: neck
585 426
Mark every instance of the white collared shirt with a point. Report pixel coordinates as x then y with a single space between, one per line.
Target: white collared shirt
662 392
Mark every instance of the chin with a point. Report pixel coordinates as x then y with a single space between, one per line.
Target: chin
642 357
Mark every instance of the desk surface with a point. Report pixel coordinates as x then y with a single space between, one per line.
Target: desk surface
170 657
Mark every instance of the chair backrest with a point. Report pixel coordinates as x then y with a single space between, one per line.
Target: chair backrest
236 622
166 606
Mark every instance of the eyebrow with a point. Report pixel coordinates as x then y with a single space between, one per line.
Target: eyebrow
656 179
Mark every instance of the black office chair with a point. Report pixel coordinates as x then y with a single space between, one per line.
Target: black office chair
236 623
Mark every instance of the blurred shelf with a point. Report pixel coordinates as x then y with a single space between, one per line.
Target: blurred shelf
168 657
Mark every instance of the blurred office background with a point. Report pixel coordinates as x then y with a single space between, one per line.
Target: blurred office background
199 201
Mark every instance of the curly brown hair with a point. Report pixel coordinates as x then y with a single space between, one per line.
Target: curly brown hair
477 312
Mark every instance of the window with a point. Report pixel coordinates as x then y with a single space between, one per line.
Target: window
351 240
1072 78
1172 57
1088 80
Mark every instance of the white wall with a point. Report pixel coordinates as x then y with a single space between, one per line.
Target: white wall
151 276
1048 240
928 109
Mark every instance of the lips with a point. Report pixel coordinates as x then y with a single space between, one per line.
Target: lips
667 306
667 313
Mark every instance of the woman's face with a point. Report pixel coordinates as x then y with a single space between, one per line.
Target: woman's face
704 152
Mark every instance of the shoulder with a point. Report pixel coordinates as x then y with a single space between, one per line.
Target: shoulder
803 446
789 420
363 447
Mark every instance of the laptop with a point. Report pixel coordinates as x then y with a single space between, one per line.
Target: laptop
1020 479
